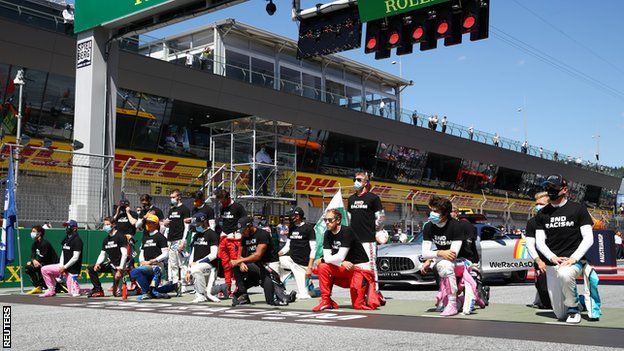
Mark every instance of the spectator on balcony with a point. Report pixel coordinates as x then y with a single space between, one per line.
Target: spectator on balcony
430 122
68 19
525 147
205 59
434 122
189 60
541 152
415 118
556 156
471 132
496 140
382 108
444 124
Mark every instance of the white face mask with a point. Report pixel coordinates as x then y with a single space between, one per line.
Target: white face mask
33 235
174 201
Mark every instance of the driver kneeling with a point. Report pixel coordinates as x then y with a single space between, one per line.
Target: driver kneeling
257 266
346 265
449 237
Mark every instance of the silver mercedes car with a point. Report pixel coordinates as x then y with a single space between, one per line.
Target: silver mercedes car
500 257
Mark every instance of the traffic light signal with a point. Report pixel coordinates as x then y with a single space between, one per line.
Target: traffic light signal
425 26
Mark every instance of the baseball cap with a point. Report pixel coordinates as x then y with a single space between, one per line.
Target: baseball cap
198 218
151 218
71 223
245 221
124 202
297 211
556 181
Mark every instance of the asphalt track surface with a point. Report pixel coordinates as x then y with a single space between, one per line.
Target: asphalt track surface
66 323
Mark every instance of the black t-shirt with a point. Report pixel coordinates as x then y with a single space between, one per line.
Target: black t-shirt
562 226
123 223
43 252
362 210
204 209
530 228
230 216
251 242
530 233
202 242
345 238
69 246
443 237
152 245
176 217
112 245
300 238
469 245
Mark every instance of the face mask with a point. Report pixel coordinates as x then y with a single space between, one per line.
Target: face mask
358 185
33 235
107 228
434 217
553 194
539 207
200 229
174 201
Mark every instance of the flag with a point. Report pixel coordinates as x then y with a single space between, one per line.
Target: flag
7 242
320 227
9 119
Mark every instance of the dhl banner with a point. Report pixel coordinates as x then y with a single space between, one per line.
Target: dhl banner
173 171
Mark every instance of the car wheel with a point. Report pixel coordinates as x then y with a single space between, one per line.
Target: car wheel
518 276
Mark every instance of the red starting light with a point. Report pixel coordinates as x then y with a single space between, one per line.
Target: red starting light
469 22
417 33
443 28
394 38
371 43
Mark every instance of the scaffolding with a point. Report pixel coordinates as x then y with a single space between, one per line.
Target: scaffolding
254 161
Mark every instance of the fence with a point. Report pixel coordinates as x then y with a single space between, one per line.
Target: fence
54 185
158 179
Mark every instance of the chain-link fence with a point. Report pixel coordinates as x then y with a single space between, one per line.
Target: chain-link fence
158 179
54 185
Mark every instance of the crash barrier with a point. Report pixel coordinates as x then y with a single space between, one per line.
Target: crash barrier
49 180
92 245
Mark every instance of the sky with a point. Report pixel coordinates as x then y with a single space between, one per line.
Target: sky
574 88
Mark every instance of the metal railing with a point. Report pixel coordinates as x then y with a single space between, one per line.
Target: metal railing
247 74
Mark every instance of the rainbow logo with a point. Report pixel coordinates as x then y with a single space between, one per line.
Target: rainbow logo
520 251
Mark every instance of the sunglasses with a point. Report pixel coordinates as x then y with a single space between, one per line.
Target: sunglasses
358 179
329 220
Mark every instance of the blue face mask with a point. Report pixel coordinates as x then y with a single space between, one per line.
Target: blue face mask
358 185
539 207
107 228
174 201
434 217
200 229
